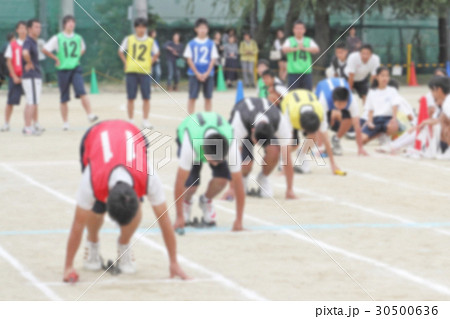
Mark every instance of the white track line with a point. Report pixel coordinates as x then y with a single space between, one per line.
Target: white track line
247 293
134 282
397 271
399 158
371 211
29 275
379 179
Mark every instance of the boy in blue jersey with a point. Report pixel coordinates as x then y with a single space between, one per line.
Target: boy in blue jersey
201 55
342 111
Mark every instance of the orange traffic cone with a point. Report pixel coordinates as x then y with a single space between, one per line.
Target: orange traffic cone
421 139
412 76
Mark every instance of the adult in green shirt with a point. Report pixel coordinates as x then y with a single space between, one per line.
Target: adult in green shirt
69 47
299 49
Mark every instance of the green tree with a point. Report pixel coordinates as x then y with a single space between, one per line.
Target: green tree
112 16
438 8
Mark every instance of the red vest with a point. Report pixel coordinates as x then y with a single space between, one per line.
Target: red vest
16 59
111 144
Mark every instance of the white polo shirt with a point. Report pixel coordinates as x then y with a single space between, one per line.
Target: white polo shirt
361 70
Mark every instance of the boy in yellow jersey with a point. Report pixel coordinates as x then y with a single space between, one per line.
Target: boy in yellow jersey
307 115
136 53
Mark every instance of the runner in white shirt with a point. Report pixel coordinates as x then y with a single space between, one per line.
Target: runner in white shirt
440 88
255 121
382 104
361 66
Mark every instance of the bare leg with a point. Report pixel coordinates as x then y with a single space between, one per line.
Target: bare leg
127 231
146 109
189 193
392 127
35 114
246 169
344 127
65 112
86 104
94 222
191 106
29 114
271 158
130 109
215 186
208 105
8 112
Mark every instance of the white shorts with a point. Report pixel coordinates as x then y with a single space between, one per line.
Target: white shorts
32 88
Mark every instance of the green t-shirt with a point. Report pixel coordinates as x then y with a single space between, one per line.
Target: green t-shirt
299 61
196 132
69 51
262 89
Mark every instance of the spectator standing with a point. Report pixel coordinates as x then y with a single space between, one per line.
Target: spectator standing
218 42
299 49
32 78
231 52
248 49
174 51
353 42
13 56
278 54
201 55
155 58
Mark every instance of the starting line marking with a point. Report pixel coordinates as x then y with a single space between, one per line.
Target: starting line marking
224 281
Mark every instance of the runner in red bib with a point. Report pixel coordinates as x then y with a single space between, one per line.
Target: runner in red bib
116 174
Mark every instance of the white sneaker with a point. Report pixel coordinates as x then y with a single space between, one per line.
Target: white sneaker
336 144
187 207
209 214
92 118
29 131
126 263
386 149
39 128
92 259
384 139
146 124
66 126
264 184
304 168
5 128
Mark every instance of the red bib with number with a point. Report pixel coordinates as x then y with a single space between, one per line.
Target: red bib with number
111 144
16 59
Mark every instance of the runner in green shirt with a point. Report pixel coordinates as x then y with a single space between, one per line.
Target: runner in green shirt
206 137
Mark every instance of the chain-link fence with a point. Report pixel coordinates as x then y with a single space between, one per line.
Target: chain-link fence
389 36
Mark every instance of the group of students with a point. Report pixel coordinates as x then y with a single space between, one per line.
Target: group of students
25 75
114 181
